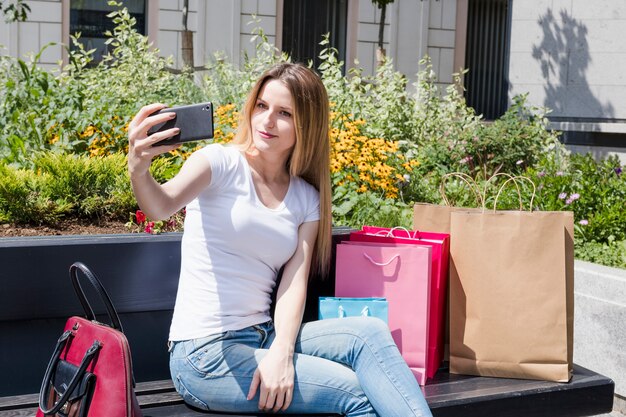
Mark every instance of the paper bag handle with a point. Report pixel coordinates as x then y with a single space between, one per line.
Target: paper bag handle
341 312
467 180
390 232
519 193
369 258
481 195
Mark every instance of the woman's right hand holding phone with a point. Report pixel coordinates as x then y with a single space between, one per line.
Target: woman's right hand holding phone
159 201
140 144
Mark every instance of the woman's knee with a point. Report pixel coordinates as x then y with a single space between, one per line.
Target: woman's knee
367 327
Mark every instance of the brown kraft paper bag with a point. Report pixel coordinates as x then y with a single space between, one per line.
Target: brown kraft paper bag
512 294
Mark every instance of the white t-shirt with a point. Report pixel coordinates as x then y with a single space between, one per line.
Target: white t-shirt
233 247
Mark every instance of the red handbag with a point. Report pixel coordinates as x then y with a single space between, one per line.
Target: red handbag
90 372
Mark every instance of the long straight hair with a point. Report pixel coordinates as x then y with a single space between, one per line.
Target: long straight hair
310 157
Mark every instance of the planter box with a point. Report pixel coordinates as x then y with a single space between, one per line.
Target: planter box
600 321
140 273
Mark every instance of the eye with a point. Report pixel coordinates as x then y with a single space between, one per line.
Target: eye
285 113
261 105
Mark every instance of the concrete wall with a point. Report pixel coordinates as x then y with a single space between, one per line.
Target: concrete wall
600 321
569 55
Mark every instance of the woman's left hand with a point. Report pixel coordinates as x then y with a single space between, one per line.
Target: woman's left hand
275 377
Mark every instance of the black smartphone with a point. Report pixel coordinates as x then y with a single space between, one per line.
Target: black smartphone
195 122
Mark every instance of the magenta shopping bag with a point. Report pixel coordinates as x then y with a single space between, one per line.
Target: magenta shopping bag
401 274
440 245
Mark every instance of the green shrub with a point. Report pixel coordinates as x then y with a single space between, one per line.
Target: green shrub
25 197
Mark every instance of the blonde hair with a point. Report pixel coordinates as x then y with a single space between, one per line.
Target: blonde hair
310 158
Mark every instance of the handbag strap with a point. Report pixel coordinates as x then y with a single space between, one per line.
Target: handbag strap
45 387
95 283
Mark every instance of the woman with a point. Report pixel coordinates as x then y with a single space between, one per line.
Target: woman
252 208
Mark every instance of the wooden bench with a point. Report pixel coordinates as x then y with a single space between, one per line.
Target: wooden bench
587 394
141 274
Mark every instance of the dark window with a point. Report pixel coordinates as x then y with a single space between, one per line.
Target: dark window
89 17
486 57
306 21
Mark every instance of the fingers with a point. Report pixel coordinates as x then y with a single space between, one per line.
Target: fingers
141 144
256 379
288 398
275 399
144 112
140 130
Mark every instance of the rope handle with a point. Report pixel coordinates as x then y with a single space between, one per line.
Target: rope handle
369 258
515 179
467 180
481 195
341 312
390 233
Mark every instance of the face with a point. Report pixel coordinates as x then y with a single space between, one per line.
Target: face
273 127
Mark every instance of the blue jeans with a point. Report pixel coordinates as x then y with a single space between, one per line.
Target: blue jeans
345 366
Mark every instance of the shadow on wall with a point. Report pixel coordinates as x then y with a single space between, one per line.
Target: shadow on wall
564 57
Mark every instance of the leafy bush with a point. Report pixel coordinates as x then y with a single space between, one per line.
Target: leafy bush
391 143
25 197
70 186
595 191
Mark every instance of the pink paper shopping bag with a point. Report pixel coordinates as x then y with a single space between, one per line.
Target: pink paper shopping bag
440 245
401 274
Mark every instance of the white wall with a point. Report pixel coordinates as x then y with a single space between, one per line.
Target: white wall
170 24
412 29
570 56
44 25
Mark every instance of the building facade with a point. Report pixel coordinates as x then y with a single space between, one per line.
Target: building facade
568 55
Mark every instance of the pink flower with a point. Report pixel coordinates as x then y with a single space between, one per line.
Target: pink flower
574 196
583 222
520 162
149 228
559 173
562 196
140 217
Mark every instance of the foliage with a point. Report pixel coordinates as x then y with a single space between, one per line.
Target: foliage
64 137
609 254
14 11
86 108
139 222
64 185
29 98
24 197
595 191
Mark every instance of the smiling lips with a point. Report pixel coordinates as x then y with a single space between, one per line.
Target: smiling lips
265 135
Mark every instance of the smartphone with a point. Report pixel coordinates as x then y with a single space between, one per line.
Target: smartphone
195 122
